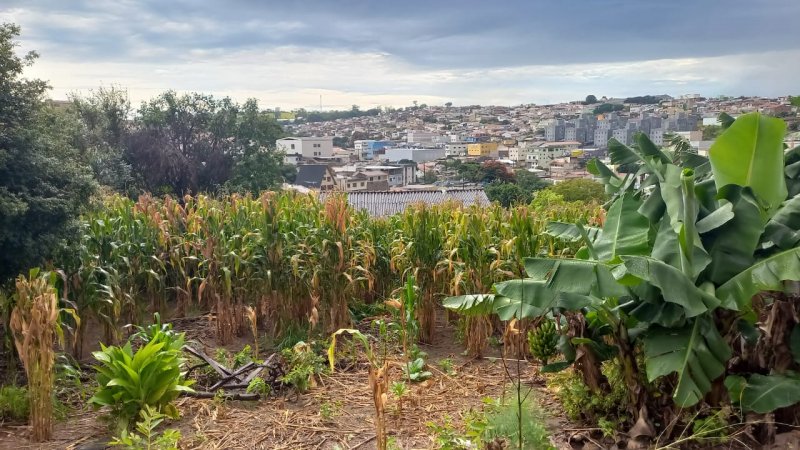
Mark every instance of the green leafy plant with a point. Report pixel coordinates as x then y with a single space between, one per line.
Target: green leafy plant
415 371
399 390
128 381
543 341
14 403
244 356
677 256
304 366
146 436
258 386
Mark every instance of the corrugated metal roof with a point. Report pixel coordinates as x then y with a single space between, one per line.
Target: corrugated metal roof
382 204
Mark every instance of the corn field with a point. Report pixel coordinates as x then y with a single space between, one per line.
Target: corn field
285 260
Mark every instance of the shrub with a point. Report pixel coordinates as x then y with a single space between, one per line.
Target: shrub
129 382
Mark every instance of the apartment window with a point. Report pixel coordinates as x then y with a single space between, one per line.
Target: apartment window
370 178
362 183
292 146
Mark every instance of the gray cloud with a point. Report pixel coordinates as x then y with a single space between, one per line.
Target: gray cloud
447 49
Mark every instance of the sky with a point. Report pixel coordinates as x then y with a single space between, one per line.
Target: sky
291 54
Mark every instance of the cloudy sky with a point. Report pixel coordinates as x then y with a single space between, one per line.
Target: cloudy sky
378 52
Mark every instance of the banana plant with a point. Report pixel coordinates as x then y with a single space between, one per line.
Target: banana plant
685 239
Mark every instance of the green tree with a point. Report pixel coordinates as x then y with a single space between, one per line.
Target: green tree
794 101
43 185
580 189
710 132
529 182
196 143
590 100
104 127
507 194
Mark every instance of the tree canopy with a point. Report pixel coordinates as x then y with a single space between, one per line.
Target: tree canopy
580 189
608 107
43 184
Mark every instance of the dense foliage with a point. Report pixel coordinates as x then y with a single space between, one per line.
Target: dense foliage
690 275
43 185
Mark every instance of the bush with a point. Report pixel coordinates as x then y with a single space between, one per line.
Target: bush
129 382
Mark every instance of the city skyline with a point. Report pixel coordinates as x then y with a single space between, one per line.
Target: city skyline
375 54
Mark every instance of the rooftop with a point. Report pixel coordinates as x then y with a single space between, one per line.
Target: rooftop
382 204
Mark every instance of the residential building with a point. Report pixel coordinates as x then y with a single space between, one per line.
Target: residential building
455 149
482 149
544 155
367 148
292 159
315 176
398 175
309 147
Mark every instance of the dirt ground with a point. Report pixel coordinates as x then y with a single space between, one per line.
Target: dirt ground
295 422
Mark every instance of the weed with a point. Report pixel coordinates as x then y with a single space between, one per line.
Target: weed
447 366
304 365
713 429
502 423
415 370
399 391
329 410
147 436
446 437
244 356
258 386
14 403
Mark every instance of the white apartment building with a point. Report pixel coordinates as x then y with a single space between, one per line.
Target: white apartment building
455 149
543 155
309 147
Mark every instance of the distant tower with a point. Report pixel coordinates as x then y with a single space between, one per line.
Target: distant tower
277 113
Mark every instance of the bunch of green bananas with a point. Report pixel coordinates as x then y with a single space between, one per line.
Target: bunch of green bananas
543 341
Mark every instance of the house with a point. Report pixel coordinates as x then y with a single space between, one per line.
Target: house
309 147
382 204
315 176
